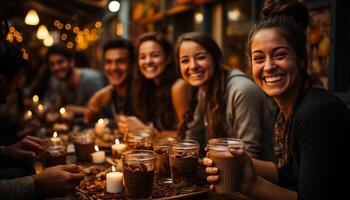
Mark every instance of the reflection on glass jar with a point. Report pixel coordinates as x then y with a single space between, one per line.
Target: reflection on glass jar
183 157
84 143
138 170
139 139
161 148
54 155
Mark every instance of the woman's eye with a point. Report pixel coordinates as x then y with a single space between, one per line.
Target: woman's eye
184 61
280 55
258 59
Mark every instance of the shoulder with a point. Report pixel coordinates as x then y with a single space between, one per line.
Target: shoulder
239 85
90 74
104 92
180 86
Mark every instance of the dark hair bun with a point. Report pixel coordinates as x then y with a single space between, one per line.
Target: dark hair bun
295 9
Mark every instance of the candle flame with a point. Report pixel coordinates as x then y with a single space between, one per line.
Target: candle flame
113 168
40 107
29 113
62 110
54 134
35 98
100 121
96 148
117 141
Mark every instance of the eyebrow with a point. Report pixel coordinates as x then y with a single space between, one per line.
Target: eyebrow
273 50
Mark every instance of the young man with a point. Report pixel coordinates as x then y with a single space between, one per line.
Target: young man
114 98
75 86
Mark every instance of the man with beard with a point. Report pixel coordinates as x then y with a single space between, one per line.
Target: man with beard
114 98
75 86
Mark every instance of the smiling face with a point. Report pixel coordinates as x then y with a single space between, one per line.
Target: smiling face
274 63
116 65
196 64
61 66
152 60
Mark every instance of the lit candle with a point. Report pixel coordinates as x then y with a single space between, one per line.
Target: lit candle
56 140
28 115
35 99
114 181
62 111
98 156
100 126
118 149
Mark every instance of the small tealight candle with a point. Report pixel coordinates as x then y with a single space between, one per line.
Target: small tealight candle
98 156
28 115
100 126
62 111
118 149
56 140
35 99
114 181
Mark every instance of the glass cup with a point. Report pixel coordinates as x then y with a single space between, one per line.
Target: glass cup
84 143
138 170
139 139
230 167
54 155
183 157
161 148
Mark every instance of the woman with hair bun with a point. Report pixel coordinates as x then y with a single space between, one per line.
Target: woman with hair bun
309 134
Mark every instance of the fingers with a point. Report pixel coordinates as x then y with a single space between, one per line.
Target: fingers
77 177
211 170
25 155
73 168
30 145
36 140
213 178
207 162
237 152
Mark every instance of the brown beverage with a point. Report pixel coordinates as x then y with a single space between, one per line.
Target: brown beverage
230 167
84 143
54 155
138 170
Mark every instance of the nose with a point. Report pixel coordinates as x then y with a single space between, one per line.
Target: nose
148 59
269 64
193 65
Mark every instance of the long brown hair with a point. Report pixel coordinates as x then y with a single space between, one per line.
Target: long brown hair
215 106
152 103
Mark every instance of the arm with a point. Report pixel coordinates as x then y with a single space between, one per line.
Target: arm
181 97
100 99
244 109
17 189
266 169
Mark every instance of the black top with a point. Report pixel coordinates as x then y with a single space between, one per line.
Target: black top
318 147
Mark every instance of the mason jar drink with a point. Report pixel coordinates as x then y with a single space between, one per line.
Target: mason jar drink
183 157
138 170
84 143
230 167
139 139
161 148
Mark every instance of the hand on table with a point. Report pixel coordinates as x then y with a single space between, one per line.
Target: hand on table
58 181
27 149
249 175
126 123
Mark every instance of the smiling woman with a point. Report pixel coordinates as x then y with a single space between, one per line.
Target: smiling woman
225 103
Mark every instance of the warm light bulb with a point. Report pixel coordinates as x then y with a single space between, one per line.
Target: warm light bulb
62 110
32 18
40 107
35 98
48 41
42 32
114 6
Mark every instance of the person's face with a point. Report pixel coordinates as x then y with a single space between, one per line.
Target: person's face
274 63
152 60
196 64
60 66
117 65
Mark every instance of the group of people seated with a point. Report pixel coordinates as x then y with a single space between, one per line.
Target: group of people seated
188 92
